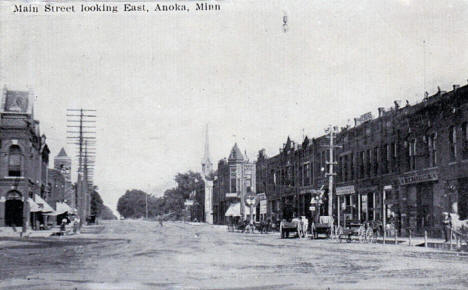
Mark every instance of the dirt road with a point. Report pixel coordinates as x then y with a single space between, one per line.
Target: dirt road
143 255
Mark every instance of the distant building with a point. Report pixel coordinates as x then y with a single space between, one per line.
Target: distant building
57 187
63 163
235 180
24 158
207 175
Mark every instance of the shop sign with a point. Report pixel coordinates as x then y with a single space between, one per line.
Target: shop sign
417 178
231 194
363 118
186 203
263 206
342 190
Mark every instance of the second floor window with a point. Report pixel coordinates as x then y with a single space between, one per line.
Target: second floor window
412 154
453 142
465 140
15 161
233 185
432 146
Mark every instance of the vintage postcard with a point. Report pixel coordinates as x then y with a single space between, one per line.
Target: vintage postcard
237 144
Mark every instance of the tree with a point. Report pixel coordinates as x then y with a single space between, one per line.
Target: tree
107 214
133 204
96 203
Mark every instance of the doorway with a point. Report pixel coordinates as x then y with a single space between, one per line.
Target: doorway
14 209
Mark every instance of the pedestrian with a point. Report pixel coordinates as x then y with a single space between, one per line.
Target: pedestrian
63 226
447 225
160 220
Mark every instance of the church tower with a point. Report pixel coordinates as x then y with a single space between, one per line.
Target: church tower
207 166
207 170
63 163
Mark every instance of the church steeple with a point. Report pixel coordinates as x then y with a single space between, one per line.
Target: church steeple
207 166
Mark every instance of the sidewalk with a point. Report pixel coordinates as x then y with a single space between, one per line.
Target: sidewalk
10 233
436 243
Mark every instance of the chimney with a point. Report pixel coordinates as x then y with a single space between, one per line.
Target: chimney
397 104
381 111
455 87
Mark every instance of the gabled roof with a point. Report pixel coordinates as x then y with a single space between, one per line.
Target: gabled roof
236 154
62 153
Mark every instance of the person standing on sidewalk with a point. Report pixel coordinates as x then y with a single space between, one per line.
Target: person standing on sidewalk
447 225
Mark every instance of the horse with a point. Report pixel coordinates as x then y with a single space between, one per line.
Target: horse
459 227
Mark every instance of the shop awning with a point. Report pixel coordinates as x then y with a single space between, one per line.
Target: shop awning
43 205
63 208
234 210
33 207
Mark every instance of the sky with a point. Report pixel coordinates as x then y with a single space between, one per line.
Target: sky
156 80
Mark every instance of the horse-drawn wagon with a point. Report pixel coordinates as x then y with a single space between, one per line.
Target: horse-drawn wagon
297 225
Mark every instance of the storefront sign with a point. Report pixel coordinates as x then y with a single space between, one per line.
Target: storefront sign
231 194
342 190
363 118
417 178
263 206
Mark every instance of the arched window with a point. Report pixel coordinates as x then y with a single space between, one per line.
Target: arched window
15 161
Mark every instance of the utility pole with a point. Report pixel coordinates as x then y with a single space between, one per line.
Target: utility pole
81 125
331 131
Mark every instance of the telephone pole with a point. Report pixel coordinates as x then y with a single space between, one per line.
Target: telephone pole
331 131
81 132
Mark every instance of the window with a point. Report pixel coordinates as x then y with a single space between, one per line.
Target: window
394 156
384 157
432 146
361 164
233 185
351 161
453 142
369 163
376 161
15 161
389 157
412 154
465 140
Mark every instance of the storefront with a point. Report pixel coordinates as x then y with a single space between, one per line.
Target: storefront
418 212
346 204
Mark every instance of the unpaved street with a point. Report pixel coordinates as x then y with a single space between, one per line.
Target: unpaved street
143 255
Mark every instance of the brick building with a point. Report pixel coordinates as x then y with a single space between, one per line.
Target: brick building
416 157
63 163
235 179
57 188
24 158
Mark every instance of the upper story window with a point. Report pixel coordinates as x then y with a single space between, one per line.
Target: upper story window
412 154
15 161
453 142
432 148
465 140
376 161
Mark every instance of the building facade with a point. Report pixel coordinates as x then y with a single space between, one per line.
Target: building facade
234 182
24 158
409 164
63 163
